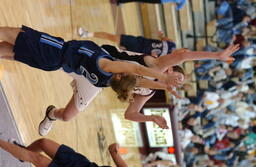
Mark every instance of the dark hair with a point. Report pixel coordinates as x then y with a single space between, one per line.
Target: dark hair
178 69
123 86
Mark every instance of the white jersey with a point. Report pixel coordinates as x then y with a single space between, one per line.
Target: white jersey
140 90
85 92
143 91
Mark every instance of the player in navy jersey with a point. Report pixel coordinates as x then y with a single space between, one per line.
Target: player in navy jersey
162 49
175 58
58 155
81 59
161 64
179 3
164 64
131 43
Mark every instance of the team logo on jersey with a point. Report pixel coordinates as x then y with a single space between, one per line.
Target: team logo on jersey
90 76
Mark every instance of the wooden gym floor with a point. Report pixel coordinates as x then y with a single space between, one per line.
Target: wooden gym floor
30 91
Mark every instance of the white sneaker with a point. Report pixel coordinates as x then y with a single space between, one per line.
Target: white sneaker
82 32
45 125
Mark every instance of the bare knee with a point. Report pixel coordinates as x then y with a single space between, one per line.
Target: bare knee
9 34
42 141
40 160
6 51
116 38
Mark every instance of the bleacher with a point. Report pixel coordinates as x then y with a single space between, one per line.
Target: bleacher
193 27
177 25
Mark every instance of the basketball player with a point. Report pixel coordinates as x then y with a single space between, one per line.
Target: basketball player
179 3
161 64
82 59
156 48
31 46
141 96
137 44
58 155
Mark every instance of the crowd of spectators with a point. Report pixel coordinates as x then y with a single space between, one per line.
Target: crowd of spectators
218 125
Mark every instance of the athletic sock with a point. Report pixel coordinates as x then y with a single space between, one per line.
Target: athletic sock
51 114
90 34
83 33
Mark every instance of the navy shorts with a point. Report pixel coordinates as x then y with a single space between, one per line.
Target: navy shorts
67 157
145 45
38 49
134 44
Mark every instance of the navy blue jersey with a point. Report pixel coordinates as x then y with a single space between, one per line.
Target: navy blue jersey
146 46
162 47
46 52
82 57
112 50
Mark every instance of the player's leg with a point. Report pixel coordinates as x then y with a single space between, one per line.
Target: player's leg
61 155
25 155
84 93
6 51
102 35
67 113
9 34
52 114
46 145
162 63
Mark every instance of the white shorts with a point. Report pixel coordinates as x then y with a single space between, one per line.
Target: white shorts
84 91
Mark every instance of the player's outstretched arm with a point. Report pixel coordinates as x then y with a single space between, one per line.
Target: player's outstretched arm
151 84
132 112
181 55
224 55
113 150
147 83
130 68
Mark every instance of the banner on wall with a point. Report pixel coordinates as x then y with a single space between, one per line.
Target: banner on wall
127 133
157 136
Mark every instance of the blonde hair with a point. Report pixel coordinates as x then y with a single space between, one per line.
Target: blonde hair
123 86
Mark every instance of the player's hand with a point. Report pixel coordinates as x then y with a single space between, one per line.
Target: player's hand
160 121
225 55
173 92
113 148
174 79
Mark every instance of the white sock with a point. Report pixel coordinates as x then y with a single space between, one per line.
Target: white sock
51 114
90 34
83 33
